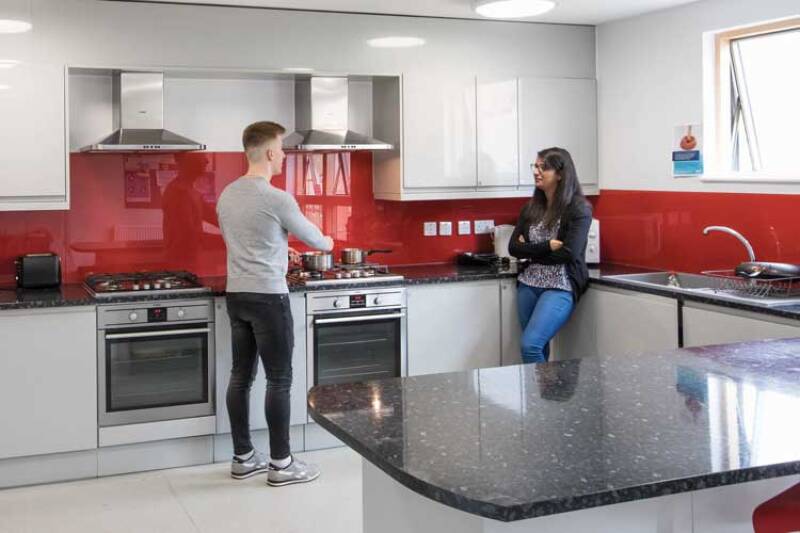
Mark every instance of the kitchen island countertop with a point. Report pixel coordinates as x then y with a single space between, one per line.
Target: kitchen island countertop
525 441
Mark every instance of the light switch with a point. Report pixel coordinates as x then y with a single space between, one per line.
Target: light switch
483 226
429 229
463 227
445 228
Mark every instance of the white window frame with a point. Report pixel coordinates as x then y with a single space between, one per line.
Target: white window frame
718 101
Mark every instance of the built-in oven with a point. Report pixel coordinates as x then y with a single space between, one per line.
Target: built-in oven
356 335
155 370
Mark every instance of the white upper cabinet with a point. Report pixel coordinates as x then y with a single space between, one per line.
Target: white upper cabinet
476 137
33 162
498 149
439 130
559 112
32 140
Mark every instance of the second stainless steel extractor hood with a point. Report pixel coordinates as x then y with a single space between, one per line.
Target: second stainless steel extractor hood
138 102
321 118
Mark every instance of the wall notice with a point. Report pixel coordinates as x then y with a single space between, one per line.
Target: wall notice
687 151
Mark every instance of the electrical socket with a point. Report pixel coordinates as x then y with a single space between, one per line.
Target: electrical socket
463 227
429 229
483 226
445 228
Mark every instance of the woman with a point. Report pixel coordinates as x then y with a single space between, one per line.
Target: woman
551 232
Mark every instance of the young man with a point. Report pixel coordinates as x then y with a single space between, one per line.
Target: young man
255 218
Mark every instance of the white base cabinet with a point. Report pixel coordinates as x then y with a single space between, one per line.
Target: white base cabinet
225 359
48 381
453 327
389 507
705 324
614 321
511 331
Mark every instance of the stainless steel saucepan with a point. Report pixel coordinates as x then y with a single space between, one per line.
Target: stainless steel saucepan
317 261
356 256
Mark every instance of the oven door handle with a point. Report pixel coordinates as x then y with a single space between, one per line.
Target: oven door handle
162 333
357 318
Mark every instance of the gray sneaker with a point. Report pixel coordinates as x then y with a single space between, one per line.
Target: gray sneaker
297 472
257 464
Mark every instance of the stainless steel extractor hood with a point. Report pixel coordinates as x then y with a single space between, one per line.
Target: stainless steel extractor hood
138 100
320 115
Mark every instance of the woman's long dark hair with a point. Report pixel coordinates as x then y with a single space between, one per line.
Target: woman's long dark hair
568 188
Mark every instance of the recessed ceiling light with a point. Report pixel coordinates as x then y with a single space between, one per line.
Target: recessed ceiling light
14 26
8 63
395 42
509 9
298 69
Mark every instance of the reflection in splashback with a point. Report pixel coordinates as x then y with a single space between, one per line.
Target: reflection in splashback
157 211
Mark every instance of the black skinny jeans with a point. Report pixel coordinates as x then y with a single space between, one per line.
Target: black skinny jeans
261 325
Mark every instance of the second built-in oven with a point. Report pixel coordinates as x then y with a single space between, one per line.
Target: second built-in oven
356 335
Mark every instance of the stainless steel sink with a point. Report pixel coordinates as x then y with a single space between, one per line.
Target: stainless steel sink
672 280
711 286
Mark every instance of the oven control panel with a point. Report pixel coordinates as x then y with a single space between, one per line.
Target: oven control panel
366 299
156 313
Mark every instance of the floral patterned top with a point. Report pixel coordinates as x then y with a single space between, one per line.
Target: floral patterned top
545 276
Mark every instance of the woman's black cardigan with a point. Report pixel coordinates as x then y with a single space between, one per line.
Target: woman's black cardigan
573 232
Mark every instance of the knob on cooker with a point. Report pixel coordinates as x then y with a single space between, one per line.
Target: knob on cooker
376 301
133 316
181 313
337 303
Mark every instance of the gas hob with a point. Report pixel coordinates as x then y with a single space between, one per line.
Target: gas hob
342 274
143 284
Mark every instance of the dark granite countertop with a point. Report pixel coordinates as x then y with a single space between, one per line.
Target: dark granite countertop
524 441
74 294
63 296
414 275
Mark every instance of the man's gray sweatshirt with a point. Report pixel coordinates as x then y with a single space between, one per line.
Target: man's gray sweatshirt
255 219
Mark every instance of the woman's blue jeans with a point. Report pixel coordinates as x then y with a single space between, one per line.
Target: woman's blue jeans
542 312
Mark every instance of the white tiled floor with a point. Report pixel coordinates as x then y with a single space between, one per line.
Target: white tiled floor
197 499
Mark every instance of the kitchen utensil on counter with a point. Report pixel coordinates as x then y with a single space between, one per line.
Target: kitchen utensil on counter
481 259
593 243
767 270
35 271
356 256
501 235
317 261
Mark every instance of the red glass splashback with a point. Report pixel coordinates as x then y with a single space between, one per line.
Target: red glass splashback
156 211
664 230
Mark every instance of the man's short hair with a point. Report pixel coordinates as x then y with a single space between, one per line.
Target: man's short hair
257 134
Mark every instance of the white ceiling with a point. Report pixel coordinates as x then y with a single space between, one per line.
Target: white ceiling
566 11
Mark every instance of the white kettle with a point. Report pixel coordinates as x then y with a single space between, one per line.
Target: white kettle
502 236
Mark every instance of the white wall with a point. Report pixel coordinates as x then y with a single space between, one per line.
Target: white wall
650 79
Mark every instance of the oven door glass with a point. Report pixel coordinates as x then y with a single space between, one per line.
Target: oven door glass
350 348
149 369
